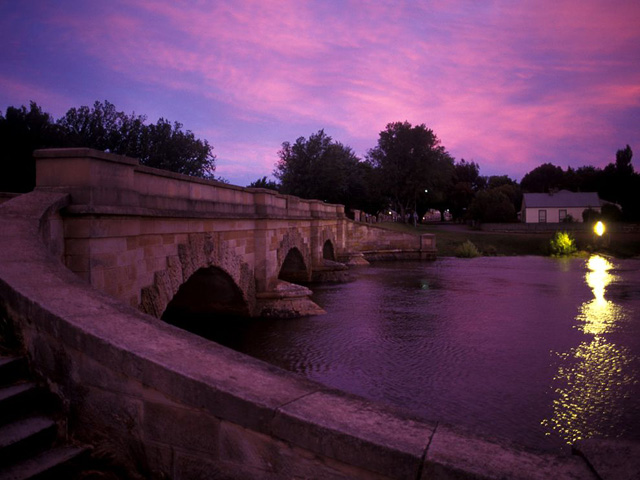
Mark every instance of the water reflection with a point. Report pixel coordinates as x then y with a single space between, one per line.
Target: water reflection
588 398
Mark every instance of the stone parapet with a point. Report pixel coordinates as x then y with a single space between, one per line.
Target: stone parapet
98 179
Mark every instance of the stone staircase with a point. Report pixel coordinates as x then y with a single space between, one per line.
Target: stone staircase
30 441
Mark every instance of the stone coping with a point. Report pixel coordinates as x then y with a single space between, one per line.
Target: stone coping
62 153
36 289
169 213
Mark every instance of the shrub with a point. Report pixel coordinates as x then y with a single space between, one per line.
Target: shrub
490 251
562 244
590 215
467 250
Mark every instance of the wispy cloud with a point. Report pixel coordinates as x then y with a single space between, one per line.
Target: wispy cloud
505 83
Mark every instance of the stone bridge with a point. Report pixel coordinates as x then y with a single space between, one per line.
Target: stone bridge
102 238
159 240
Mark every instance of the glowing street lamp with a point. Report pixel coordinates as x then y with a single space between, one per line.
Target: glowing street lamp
599 229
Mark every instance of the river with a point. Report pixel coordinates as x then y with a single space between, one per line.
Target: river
538 350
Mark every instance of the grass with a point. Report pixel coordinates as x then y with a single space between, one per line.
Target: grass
450 238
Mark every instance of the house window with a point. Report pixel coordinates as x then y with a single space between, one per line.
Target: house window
542 216
562 215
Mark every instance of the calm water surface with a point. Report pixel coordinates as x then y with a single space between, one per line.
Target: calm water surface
542 351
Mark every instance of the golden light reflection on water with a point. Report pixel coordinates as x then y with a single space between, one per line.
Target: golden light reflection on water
587 402
599 315
587 386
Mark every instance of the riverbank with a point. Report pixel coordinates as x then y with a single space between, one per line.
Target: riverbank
450 236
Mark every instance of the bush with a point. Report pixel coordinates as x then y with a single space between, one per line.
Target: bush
490 251
611 213
467 250
590 215
562 244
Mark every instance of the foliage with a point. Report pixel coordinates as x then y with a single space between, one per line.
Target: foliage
161 145
409 160
264 183
620 184
467 250
562 244
21 132
320 168
492 206
610 213
543 179
590 215
466 181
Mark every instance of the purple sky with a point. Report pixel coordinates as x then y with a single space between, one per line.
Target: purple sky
507 84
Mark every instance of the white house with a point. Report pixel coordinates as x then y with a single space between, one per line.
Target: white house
555 207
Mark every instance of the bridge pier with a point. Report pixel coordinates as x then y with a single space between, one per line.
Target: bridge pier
287 300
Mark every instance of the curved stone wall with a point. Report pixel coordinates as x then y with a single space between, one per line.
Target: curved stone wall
177 405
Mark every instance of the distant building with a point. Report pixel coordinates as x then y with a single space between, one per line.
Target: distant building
556 207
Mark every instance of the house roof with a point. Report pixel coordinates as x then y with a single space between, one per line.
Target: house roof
563 198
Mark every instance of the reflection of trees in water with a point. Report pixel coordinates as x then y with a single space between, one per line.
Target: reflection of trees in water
589 385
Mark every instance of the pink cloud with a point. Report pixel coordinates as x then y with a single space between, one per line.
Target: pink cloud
501 81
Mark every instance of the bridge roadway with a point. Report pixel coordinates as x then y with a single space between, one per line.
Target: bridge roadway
102 238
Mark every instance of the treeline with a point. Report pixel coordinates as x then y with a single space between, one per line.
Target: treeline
409 170
161 145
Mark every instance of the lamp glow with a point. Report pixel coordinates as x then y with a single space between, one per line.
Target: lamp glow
599 229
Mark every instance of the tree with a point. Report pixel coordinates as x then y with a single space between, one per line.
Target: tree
588 179
162 145
21 132
103 128
492 206
543 179
620 184
466 181
322 169
409 160
623 161
264 183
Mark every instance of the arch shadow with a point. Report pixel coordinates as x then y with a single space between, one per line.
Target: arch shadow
328 252
208 290
294 268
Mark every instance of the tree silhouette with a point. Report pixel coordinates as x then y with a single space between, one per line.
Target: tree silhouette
410 160
322 169
162 145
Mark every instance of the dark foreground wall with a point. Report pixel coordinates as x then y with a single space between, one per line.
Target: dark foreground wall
170 403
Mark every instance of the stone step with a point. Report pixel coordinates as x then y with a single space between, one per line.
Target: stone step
17 400
55 463
22 438
12 369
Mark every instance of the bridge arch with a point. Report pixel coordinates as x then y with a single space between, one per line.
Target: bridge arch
216 263
328 252
293 268
294 258
327 246
207 290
